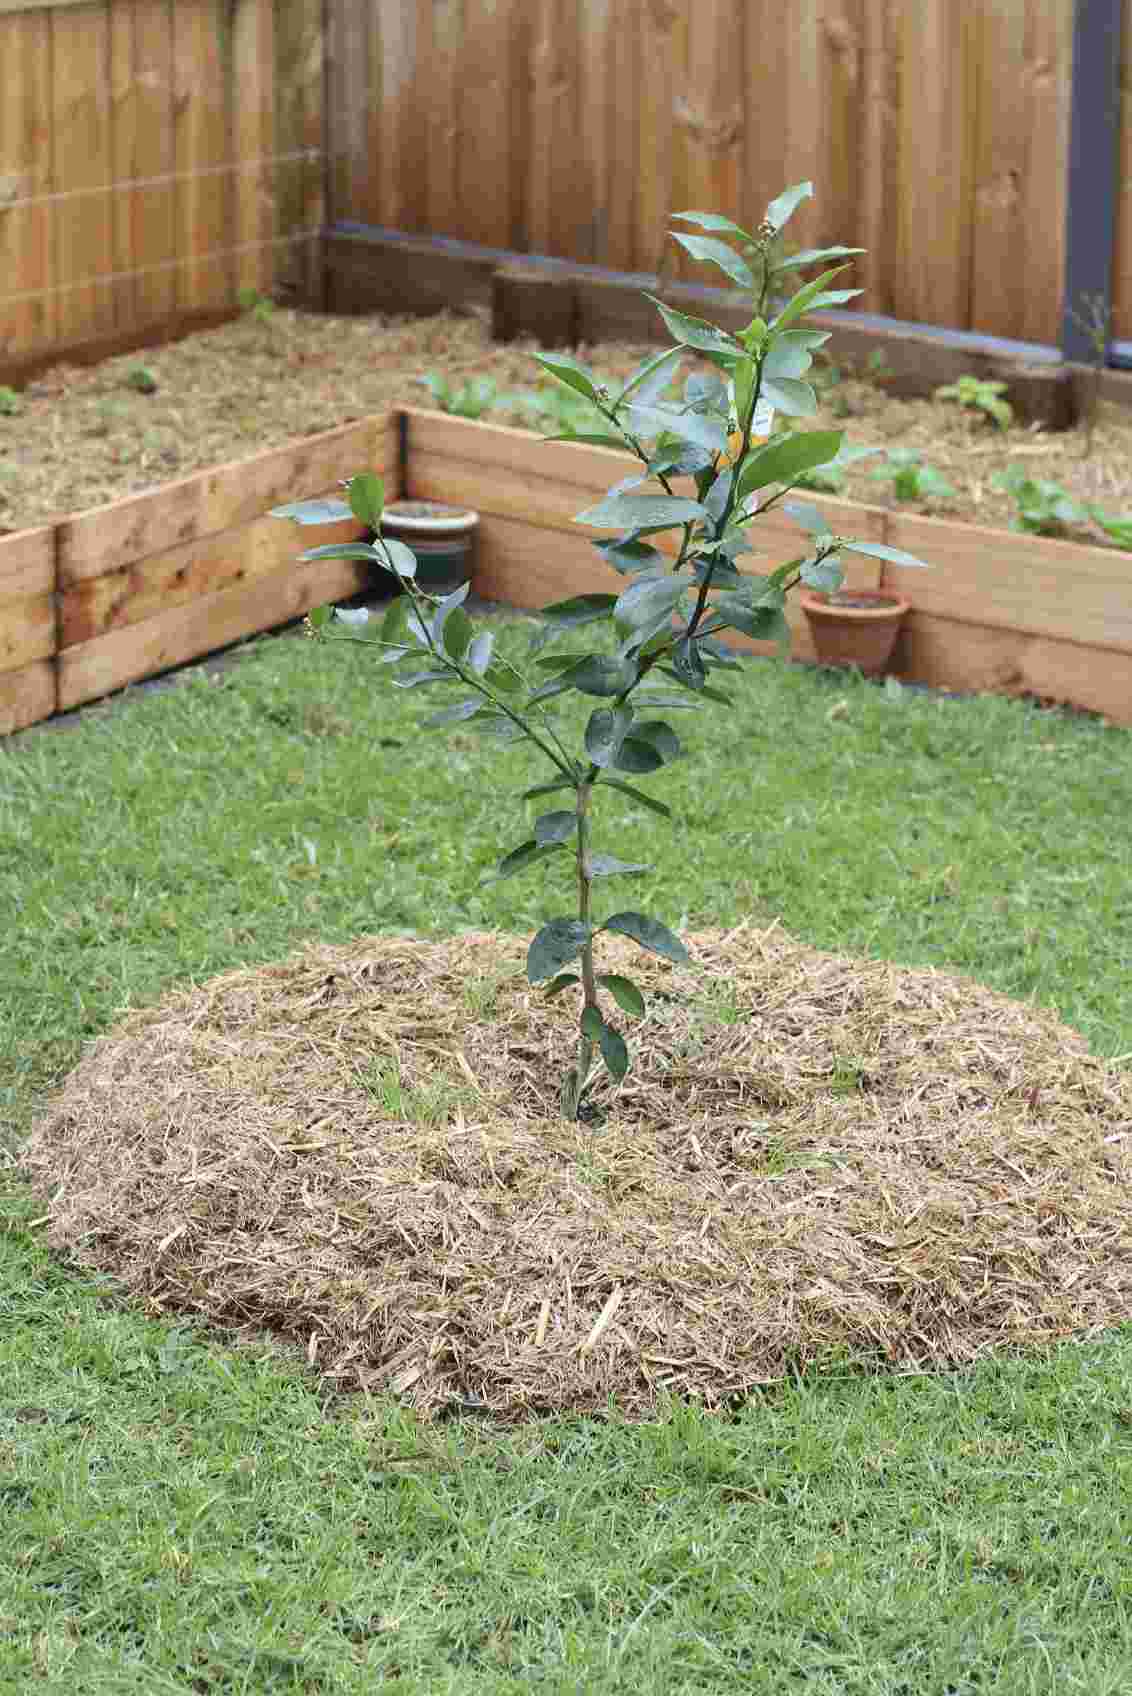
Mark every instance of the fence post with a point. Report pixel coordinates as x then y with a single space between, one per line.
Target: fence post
1090 229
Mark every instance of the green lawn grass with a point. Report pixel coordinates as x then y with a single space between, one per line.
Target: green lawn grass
179 1515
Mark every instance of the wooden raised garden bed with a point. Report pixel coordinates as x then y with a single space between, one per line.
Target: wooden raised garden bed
105 598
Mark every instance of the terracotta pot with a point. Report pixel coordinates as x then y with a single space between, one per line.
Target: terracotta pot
854 626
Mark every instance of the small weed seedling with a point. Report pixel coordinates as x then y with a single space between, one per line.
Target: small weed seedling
1044 508
1118 525
471 400
142 379
979 394
665 623
911 479
830 479
259 307
9 402
1096 325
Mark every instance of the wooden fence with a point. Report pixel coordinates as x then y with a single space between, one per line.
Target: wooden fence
155 159
158 157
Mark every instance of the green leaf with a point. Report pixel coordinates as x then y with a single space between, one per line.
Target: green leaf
624 991
641 512
782 460
366 494
790 356
605 733
458 633
809 517
806 296
710 252
706 690
417 678
395 623
811 256
877 550
763 624
608 865
554 828
586 439
344 550
660 736
479 652
324 510
600 675
319 617
783 207
797 400
400 558
627 557
569 372
822 574
714 221
578 610
650 600
561 982
638 795
555 945
591 1023
546 789
691 427
697 332
526 854
650 380
444 610
454 714
650 934
637 756
613 1052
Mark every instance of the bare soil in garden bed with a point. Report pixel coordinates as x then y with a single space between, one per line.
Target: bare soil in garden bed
815 1157
80 437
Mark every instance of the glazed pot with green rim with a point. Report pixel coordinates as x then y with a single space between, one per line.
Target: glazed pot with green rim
441 537
854 626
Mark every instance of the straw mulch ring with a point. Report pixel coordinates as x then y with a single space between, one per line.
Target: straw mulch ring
814 1157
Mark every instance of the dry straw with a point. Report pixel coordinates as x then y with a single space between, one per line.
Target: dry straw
359 1150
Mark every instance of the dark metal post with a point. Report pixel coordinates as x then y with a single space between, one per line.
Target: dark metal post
1090 235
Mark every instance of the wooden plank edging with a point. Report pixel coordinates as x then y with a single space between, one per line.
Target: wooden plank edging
102 598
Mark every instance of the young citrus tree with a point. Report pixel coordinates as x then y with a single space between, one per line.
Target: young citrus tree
668 619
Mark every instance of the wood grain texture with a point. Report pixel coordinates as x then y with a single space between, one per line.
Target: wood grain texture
948 655
123 656
27 696
202 40
28 307
251 99
81 160
114 537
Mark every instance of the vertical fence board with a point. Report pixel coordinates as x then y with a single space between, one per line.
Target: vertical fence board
488 167
81 228
28 309
151 210
398 165
936 162
620 204
1023 67
252 100
560 206
596 97
709 115
657 91
877 156
297 128
441 39
202 42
